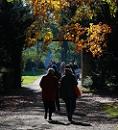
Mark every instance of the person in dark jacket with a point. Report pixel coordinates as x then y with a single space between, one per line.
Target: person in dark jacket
58 75
49 85
67 84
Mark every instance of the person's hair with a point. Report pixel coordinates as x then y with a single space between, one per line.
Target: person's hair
68 71
68 66
51 71
54 67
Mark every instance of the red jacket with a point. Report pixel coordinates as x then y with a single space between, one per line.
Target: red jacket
49 85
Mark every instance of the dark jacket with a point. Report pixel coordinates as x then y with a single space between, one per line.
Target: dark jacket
67 84
49 85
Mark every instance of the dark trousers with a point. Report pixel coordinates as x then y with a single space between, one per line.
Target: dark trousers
49 106
57 104
70 107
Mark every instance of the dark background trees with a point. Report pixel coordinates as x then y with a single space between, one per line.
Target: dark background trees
14 19
103 69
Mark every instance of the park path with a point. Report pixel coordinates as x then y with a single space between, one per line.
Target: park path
24 111
35 85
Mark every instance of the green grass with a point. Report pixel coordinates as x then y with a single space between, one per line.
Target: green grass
112 110
28 79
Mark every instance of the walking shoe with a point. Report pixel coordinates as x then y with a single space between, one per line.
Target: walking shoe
45 116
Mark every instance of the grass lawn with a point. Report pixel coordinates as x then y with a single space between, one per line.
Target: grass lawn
29 79
112 110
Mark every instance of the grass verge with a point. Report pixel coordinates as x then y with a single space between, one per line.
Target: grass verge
112 110
28 79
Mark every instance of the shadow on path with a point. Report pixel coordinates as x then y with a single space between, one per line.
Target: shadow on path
68 123
58 122
30 102
73 122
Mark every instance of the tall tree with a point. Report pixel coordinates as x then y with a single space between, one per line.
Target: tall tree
14 19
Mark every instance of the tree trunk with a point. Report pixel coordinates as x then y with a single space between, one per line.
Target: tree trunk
17 69
64 51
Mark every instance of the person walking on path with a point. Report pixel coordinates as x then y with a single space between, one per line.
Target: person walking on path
58 75
62 66
49 85
67 84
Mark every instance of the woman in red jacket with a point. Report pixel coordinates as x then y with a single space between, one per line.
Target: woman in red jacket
49 85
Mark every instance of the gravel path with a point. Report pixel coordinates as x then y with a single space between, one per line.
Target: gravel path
23 110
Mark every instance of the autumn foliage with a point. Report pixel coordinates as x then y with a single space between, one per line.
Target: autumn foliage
92 38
